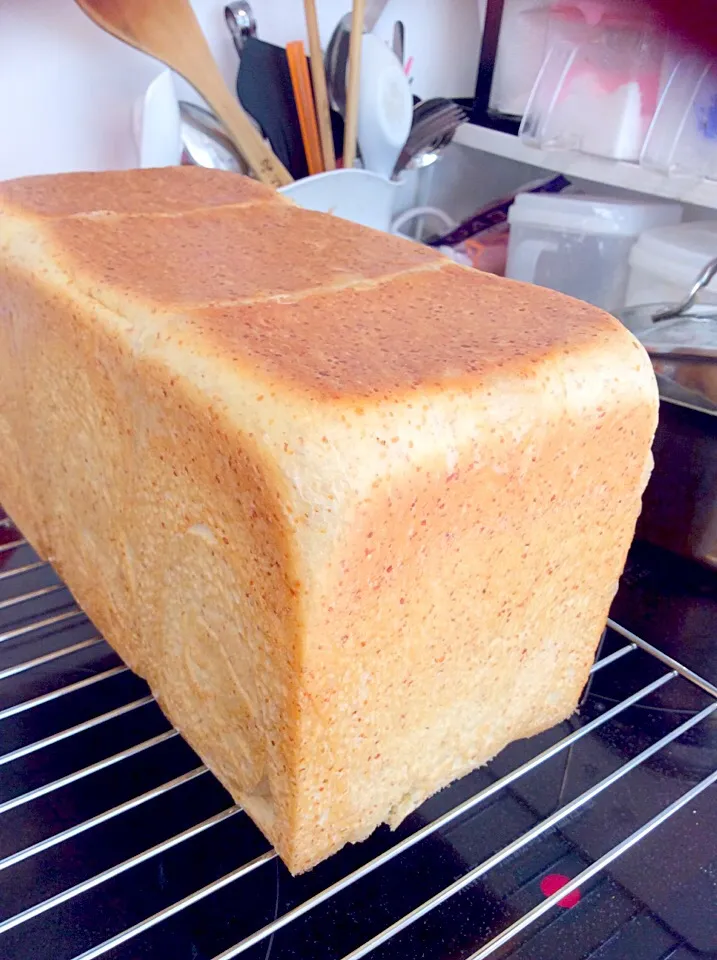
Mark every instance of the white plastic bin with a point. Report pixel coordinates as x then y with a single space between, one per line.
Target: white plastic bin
358 195
664 263
580 245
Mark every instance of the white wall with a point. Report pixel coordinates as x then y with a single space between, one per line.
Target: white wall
67 89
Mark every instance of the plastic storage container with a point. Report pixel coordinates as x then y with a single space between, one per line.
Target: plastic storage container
665 261
580 245
598 96
682 139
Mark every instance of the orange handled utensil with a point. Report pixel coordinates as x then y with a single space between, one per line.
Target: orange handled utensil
301 84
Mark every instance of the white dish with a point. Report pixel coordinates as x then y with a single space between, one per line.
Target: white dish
385 107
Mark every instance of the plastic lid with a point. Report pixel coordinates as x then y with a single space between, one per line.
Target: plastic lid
580 214
677 254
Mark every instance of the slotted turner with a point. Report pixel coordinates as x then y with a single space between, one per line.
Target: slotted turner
169 31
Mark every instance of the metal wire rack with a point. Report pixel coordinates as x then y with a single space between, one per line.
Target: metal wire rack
101 805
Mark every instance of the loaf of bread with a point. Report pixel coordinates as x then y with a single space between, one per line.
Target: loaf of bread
356 513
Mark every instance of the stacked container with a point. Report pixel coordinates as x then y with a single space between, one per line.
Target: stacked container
598 95
665 261
580 245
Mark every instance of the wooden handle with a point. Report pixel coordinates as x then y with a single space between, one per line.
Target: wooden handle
318 76
257 153
301 85
194 59
352 87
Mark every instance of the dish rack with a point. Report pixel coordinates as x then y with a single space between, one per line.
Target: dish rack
115 841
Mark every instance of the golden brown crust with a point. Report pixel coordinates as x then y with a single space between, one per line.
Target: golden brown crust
434 327
161 191
260 250
357 514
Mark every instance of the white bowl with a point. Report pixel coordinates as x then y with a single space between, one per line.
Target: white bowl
357 195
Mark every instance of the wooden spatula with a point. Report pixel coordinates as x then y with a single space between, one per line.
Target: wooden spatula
318 75
169 31
353 82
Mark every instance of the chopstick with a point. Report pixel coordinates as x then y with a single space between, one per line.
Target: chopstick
301 84
352 87
318 75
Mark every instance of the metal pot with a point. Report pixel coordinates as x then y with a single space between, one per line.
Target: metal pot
680 503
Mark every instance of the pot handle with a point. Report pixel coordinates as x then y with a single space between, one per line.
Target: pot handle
703 278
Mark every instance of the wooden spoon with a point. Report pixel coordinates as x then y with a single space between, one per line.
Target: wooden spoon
169 31
318 75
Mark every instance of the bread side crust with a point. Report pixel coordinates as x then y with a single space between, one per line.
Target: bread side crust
256 546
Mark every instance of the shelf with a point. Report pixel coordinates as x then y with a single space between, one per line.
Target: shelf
614 173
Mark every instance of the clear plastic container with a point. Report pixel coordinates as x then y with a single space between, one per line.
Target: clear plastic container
665 261
526 34
598 96
682 139
528 30
580 245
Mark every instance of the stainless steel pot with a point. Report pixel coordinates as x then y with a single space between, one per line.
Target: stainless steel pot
680 503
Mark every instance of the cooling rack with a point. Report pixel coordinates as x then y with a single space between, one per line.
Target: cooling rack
115 841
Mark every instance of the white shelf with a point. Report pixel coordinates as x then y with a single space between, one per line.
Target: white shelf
615 173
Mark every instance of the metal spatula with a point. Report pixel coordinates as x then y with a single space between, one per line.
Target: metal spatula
169 31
